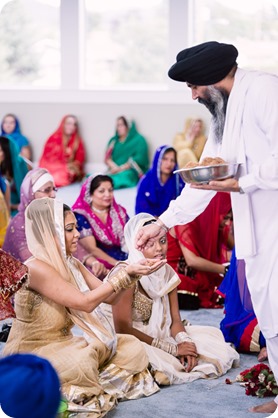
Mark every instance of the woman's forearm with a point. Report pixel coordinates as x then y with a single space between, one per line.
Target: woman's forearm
95 251
176 327
202 264
124 328
98 253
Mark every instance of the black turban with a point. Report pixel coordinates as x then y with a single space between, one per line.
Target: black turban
204 64
29 387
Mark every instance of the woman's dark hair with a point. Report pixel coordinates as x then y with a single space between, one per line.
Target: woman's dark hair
6 165
171 149
151 221
97 180
66 209
125 122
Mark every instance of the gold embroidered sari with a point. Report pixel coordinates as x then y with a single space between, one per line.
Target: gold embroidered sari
95 372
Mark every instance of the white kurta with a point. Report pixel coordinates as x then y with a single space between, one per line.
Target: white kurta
250 138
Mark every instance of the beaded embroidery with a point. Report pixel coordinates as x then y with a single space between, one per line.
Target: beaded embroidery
141 306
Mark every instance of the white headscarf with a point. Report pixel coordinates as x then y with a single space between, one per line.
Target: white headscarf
157 285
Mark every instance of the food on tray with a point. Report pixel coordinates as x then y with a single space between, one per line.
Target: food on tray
191 164
207 161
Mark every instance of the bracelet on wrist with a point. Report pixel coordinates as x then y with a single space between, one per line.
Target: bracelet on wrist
122 280
165 346
182 337
85 258
93 263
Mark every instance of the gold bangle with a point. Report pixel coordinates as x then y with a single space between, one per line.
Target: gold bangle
122 280
165 346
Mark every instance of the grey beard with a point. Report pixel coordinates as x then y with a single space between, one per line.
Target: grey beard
218 123
216 102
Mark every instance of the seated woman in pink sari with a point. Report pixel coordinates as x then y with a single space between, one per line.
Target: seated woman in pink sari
64 153
101 224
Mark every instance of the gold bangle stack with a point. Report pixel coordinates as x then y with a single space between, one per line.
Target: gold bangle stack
122 280
165 346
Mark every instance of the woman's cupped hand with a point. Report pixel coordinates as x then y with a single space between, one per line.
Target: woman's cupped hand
145 266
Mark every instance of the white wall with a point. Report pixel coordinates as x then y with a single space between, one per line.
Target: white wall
158 122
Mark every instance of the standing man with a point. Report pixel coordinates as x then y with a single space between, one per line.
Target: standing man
244 130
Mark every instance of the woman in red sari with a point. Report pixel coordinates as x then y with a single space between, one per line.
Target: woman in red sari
64 154
198 252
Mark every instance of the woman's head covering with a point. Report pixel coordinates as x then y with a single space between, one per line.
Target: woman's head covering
204 64
16 135
157 195
15 241
45 235
59 132
29 387
30 183
161 281
44 225
157 285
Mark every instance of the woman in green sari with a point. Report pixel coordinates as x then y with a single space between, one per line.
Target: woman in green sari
126 155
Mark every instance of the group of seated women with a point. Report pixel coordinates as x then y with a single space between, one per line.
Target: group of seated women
65 250
105 365
126 159
83 259
63 155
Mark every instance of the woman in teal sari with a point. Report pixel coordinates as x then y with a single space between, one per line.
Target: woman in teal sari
126 155
13 168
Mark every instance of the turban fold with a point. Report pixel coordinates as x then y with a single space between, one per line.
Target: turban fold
204 64
29 387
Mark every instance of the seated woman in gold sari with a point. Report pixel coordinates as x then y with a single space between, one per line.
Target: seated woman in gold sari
61 292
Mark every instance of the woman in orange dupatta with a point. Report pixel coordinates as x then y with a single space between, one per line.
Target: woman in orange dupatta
64 153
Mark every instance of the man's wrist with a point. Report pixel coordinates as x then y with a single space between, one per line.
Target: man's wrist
162 225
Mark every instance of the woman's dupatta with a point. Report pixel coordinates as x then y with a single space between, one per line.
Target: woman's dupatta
46 241
157 285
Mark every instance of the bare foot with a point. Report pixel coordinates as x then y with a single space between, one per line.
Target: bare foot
267 408
262 356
